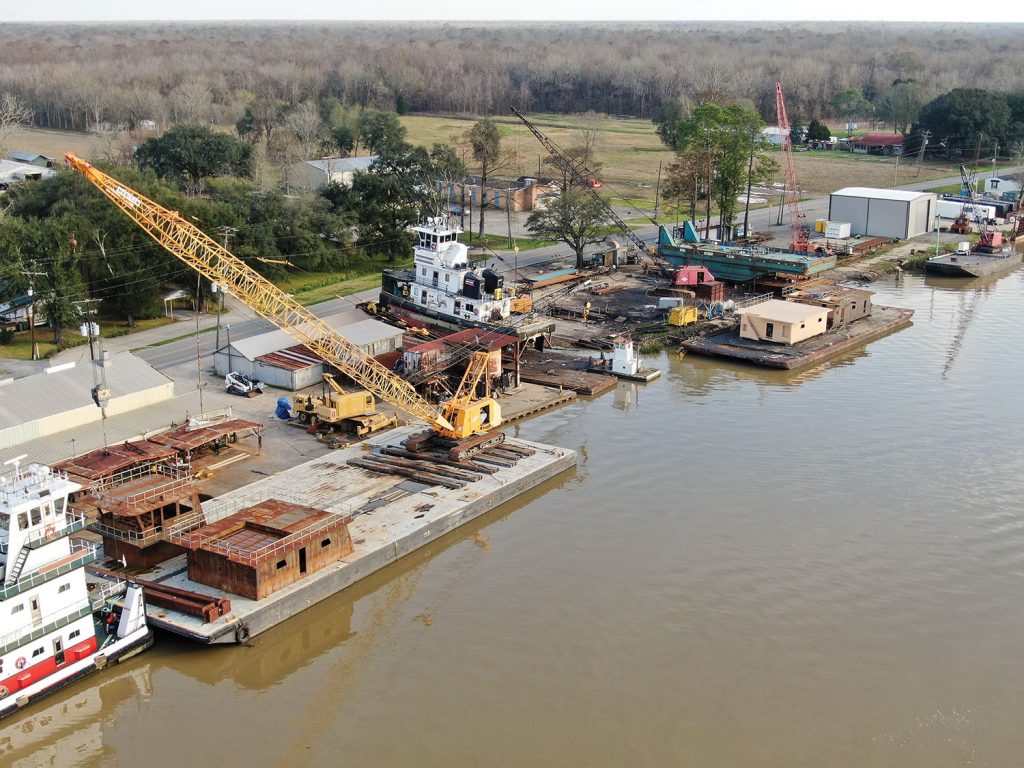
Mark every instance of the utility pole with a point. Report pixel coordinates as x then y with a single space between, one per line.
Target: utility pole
89 329
31 307
657 192
508 212
226 233
925 135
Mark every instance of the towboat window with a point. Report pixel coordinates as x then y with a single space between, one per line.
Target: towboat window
38 652
23 520
4 523
18 607
63 588
74 634
469 307
37 516
423 271
325 543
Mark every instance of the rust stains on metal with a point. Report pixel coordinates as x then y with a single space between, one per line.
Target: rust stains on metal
265 547
95 466
189 439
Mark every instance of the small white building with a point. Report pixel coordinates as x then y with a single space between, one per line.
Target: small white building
276 359
773 135
782 322
317 174
997 186
895 213
16 172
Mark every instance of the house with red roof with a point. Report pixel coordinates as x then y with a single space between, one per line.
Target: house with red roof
878 144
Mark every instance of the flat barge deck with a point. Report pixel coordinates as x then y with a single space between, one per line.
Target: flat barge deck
882 321
391 516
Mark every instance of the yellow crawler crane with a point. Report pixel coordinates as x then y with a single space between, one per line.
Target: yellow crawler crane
458 424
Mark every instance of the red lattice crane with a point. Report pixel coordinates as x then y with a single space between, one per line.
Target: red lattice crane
801 234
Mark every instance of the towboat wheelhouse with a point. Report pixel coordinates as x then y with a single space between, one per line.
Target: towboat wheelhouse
443 282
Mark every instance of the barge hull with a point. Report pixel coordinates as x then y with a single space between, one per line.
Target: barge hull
730 345
974 265
381 538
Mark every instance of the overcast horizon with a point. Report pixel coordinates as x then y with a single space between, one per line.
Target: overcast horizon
469 11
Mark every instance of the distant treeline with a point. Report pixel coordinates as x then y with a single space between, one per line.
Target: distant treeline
78 76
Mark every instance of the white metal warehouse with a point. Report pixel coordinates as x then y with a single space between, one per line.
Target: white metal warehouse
275 359
895 213
60 398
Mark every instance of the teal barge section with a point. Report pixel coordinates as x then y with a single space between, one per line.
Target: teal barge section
738 264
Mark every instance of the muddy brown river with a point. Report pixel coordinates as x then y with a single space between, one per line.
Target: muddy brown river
748 568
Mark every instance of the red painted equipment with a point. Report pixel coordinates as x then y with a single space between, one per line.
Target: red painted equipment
796 216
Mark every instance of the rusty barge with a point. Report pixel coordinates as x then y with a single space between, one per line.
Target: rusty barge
271 549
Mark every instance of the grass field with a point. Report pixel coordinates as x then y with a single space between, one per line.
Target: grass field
631 151
52 143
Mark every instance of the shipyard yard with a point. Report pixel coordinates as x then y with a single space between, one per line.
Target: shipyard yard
789 555
644 395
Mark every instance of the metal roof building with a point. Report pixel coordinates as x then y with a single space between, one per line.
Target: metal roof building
315 174
275 359
60 398
894 213
15 172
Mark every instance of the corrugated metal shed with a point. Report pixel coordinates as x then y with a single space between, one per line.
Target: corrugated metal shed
47 403
275 359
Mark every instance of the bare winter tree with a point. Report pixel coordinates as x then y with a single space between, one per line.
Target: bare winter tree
305 123
190 101
14 114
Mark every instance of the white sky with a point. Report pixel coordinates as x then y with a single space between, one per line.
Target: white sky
541 10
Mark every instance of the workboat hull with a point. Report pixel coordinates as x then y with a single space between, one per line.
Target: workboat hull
973 264
410 310
120 650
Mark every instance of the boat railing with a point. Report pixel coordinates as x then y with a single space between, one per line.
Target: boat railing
252 557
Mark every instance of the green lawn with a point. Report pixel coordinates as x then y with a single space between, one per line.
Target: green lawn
21 346
315 287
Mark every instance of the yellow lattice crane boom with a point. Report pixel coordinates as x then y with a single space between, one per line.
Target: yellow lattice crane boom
216 263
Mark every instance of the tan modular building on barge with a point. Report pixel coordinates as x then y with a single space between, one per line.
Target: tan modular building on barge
782 322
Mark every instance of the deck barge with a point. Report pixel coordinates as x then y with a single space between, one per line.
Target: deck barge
882 321
389 515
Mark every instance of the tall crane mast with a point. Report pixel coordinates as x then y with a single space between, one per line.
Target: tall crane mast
581 176
796 215
458 420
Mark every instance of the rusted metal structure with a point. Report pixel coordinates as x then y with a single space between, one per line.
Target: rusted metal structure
264 547
189 441
140 508
95 468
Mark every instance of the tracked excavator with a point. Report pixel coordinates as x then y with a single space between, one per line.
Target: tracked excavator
465 424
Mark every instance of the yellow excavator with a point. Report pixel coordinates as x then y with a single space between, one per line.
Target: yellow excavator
341 411
464 425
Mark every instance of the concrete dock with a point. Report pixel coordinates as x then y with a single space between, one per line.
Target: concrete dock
391 516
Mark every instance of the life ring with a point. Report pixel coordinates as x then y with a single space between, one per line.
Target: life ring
242 633
50 532
3 691
21 662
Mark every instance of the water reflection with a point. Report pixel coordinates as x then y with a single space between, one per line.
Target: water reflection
69 727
